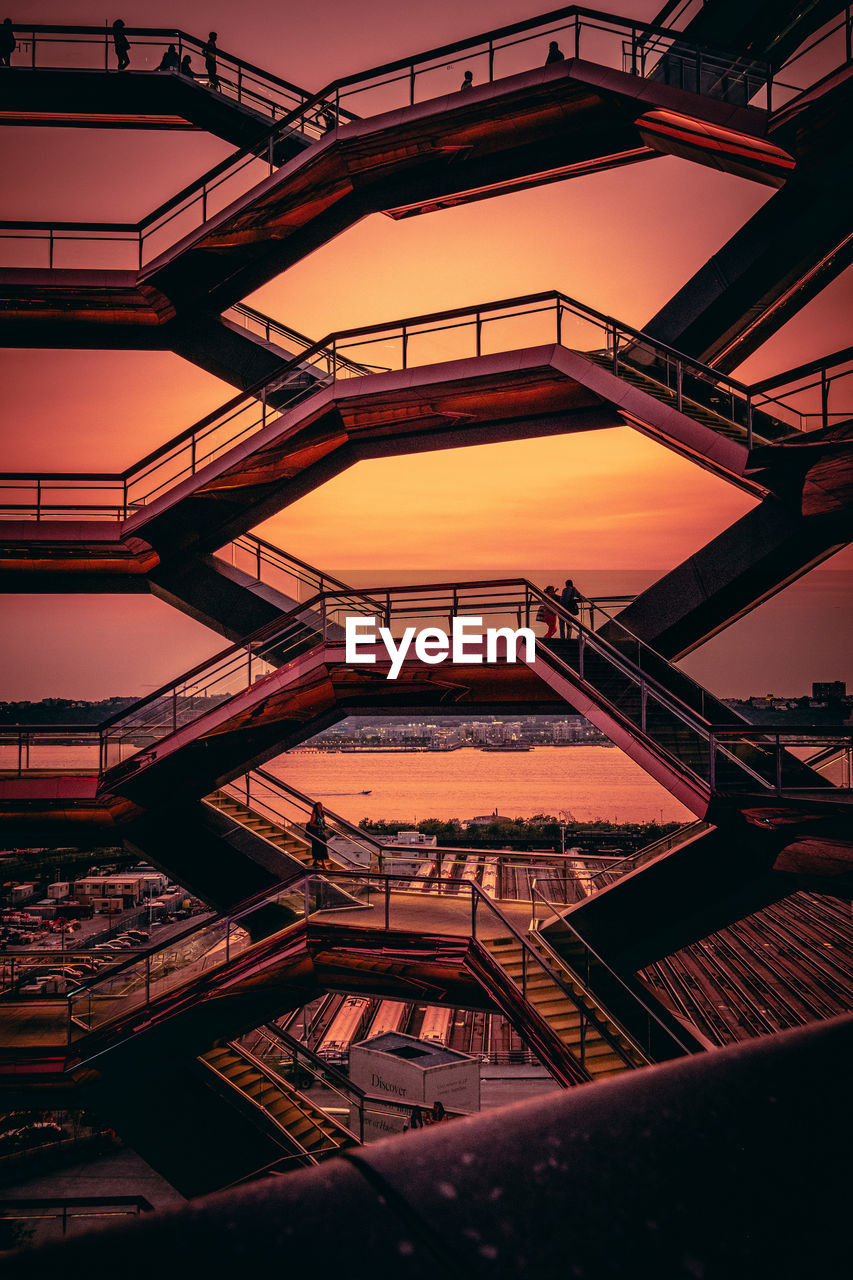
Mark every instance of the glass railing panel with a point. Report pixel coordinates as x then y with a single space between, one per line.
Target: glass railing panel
579 331
360 892
201 952
378 352
272 799
65 750
263 565
514 55
532 325
155 478
34 974
680 739
116 995
818 398
44 499
439 342
164 234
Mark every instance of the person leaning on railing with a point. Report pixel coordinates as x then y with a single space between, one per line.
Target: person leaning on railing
170 60
122 45
316 830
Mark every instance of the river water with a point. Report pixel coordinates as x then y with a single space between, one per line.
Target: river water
586 782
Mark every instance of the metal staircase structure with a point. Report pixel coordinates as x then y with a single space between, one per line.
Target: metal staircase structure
401 139
418 144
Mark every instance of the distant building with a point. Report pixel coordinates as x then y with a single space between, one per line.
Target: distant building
829 690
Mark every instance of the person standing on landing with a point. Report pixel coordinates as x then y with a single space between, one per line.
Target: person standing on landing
210 52
570 599
121 45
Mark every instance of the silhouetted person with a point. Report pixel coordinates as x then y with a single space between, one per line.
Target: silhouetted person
570 600
330 120
438 1113
555 53
468 82
416 1119
8 43
547 614
122 45
210 51
187 67
316 830
170 60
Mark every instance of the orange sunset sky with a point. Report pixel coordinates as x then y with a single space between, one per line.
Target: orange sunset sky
622 242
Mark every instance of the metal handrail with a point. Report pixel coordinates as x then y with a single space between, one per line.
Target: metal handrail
634 996
332 91
530 954
300 881
661 845
340 1082
255 644
257 1106
247 72
254 803
571 19
363 836
267 552
614 332
271 326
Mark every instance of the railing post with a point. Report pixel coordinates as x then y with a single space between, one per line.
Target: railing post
405 342
479 331
473 912
824 398
240 83
778 765
712 768
581 647
387 903
615 350
412 85
524 971
679 386
491 61
644 694
148 979
50 249
749 422
559 324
